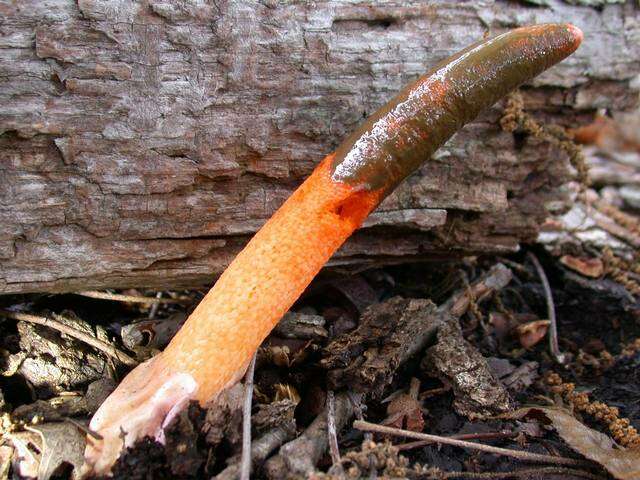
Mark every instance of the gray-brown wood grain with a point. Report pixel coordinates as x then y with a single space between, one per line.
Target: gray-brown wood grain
143 142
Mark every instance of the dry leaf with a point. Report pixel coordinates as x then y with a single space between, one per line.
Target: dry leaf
500 323
624 464
287 352
532 332
589 267
56 362
61 443
301 326
405 410
504 324
618 134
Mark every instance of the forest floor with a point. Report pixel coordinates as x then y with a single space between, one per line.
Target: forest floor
523 366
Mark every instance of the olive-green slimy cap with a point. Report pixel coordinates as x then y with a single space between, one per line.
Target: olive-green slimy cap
406 131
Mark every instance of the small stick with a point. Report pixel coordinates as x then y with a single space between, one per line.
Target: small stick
495 279
526 456
515 266
464 436
245 464
96 343
154 308
356 403
117 297
331 431
551 311
527 472
414 389
83 428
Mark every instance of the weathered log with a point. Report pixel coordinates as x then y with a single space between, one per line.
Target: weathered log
142 143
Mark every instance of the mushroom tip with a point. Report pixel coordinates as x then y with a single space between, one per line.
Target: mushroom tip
576 33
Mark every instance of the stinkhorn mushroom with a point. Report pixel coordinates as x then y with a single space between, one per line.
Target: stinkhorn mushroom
215 345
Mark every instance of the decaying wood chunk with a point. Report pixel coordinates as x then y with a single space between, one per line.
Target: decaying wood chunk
457 362
366 359
142 143
389 333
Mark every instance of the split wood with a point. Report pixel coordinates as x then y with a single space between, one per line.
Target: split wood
260 450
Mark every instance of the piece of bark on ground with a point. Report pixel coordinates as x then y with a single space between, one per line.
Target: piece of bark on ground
52 362
300 456
63 444
576 226
458 363
607 294
181 441
224 417
391 332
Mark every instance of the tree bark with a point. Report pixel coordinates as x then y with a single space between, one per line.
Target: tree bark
142 143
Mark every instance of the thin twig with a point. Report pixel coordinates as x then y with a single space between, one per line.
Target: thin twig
245 464
495 279
356 403
96 343
526 456
527 472
551 311
515 266
464 436
332 433
154 308
83 428
132 298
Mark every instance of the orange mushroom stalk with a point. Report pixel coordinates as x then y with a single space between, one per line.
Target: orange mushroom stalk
212 350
